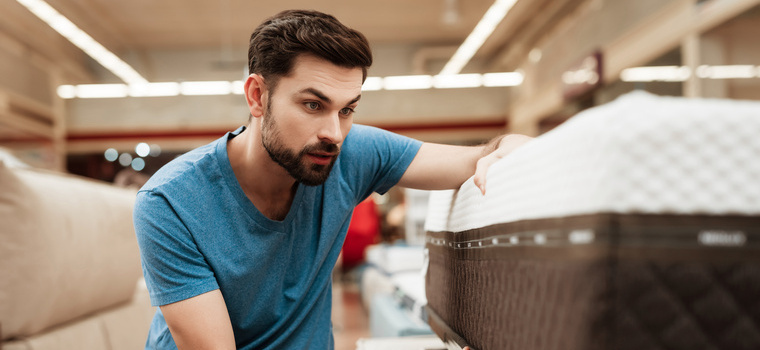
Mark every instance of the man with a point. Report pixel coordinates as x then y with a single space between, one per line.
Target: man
239 237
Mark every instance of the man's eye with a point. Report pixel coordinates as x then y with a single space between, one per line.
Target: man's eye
347 111
312 105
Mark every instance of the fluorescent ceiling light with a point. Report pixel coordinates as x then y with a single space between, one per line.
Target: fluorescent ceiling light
206 88
682 73
726 72
475 40
408 82
502 79
101 90
238 87
581 76
372 84
67 91
658 73
199 88
78 37
154 89
453 81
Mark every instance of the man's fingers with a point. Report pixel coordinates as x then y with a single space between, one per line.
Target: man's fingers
507 144
481 170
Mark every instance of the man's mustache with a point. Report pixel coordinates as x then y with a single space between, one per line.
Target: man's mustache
325 147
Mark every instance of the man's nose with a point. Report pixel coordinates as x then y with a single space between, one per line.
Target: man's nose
330 130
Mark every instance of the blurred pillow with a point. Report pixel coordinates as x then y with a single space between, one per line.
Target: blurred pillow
67 248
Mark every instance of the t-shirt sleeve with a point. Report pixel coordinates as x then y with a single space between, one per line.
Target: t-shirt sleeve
173 267
376 159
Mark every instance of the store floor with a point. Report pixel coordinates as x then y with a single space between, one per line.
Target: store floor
350 319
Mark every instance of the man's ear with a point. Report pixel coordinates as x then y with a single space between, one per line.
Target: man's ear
255 94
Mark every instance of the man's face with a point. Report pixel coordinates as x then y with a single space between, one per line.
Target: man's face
306 120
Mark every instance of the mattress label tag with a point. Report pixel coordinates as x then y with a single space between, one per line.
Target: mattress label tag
722 238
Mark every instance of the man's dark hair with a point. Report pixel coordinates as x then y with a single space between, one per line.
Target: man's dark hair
276 43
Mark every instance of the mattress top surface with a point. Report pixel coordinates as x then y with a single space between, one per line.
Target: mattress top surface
641 154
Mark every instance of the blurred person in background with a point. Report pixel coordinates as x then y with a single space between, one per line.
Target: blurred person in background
238 238
363 231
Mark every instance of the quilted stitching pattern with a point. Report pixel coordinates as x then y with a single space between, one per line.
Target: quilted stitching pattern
538 305
687 306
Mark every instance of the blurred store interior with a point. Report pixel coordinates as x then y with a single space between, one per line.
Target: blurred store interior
112 90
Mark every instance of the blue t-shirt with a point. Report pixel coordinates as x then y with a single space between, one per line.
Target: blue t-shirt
199 232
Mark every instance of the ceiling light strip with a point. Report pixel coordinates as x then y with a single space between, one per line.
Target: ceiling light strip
208 88
475 40
84 41
683 73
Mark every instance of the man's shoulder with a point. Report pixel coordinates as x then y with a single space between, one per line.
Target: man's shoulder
363 130
365 138
362 137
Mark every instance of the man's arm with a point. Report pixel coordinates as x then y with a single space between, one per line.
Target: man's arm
438 166
200 322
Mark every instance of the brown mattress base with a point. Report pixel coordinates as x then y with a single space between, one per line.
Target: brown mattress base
452 340
605 281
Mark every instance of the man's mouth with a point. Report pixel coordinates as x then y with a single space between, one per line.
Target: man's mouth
321 158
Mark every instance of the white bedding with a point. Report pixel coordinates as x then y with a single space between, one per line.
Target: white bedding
638 154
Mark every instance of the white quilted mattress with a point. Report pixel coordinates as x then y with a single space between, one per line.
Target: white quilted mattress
639 154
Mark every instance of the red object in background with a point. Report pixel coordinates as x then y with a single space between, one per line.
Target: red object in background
364 230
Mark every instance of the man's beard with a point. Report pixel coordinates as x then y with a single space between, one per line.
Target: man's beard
294 164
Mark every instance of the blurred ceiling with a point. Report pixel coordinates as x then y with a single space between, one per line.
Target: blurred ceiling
135 27
182 24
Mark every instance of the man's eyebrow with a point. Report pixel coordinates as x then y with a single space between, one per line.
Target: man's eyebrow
356 99
317 93
324 97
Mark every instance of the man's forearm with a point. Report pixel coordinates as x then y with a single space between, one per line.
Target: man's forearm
438 166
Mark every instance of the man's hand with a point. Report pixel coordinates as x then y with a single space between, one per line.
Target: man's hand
498 150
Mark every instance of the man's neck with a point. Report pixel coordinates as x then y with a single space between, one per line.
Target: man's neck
266 184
